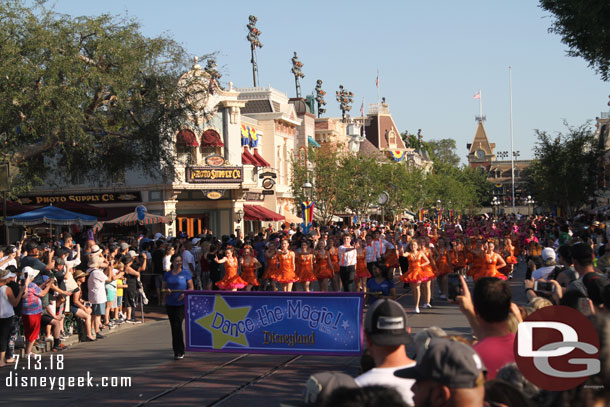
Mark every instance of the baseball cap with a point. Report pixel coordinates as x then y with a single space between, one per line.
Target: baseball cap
548 254
4 274
453 364
423 337
32 272
158 236
124 246
386 324
320 385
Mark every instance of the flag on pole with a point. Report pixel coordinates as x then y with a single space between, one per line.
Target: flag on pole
362 108
477 95
377 80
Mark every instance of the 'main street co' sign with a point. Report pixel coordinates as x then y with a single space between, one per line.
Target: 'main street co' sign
224 175
284 323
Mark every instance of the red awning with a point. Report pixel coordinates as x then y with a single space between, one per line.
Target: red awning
187 138
14 208
258 212
211 138
247 158
260 159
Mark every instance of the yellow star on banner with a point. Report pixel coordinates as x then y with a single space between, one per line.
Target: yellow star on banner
222 323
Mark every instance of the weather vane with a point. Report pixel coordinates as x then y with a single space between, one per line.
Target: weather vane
252 37
296 70
345 98
320 97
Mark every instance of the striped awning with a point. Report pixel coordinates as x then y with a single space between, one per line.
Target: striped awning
131 219
187 138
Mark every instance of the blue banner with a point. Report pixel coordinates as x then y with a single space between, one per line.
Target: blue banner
267 322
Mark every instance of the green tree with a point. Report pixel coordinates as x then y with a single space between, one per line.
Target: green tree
86 95
442 152
565 170
361 182
583 27
320 168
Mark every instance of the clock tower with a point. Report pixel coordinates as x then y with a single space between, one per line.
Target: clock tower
481 151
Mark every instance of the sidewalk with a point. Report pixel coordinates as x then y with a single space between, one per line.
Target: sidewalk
152 313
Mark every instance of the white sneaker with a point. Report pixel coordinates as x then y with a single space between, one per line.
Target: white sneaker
416 310
427 306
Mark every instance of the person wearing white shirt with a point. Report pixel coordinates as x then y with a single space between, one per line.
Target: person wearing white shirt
347 262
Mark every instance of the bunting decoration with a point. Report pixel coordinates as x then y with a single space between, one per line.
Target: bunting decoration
451 215
249 136
439 216
420 215
307 210
398 156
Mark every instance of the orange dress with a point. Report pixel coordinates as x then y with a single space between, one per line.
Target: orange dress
391 260
305 270
416 273
322 267
430 268
488 268
511 258
286 273
458 259
442 265
272 267
361 270
476 263
248 272
231 279
334 257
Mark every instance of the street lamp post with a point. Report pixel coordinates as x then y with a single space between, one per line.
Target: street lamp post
307 206
530 204
495 203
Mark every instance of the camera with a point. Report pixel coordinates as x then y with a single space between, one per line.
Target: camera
544 287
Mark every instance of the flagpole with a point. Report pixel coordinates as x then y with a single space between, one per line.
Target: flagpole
480 104
363 121
512 152
377 88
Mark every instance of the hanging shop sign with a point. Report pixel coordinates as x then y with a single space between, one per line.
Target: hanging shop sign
106 197
219 175
214 194
254 196
268 183
215 161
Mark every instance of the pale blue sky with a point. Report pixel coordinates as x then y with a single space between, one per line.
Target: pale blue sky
432 57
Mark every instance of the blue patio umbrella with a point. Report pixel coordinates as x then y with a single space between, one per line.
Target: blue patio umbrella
51 215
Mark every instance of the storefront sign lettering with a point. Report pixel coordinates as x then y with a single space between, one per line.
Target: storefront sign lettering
214 174
107 197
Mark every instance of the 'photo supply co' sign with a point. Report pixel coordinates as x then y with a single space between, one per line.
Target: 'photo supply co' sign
282 323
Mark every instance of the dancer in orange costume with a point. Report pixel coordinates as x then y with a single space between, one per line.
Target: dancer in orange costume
492 262
271 260
286 275
231 281
333 251
249 265
324 265
362 272
458 256
509 257
417 273
443 267
305 266
476 258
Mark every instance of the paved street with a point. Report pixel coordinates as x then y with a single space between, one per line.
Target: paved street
143 352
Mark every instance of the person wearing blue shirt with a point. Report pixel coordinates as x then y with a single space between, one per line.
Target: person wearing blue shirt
379 286
175 282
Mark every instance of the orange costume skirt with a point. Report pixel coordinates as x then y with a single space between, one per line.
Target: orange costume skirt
361 270
248 273
305 270
416 273
442 266
231 279
286 273
272 269
430 268
512 259
391 260
322 267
